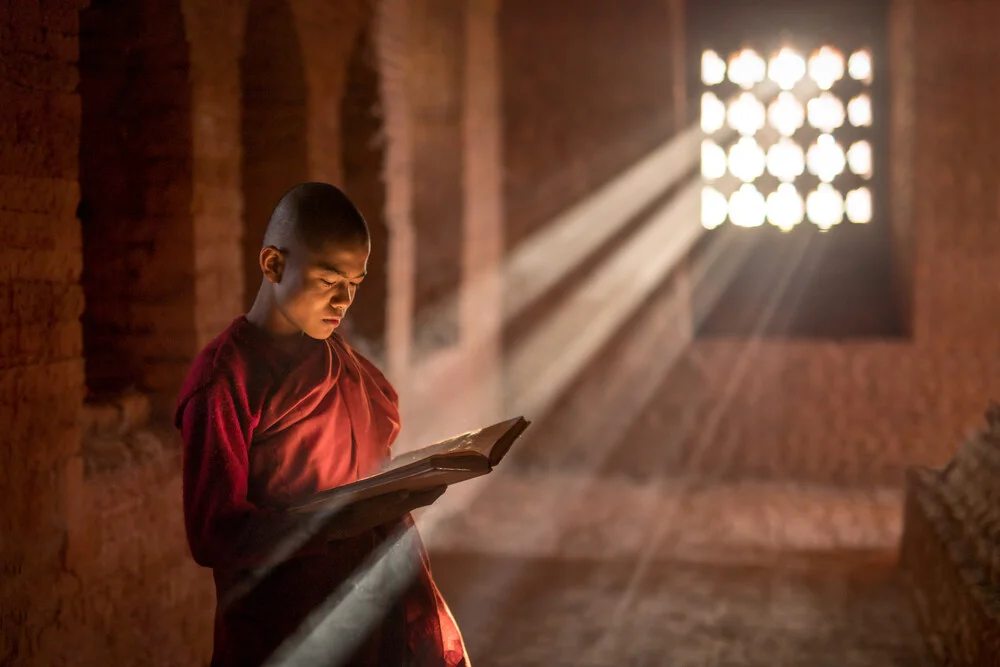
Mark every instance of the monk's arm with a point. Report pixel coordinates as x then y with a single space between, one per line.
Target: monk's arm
225 529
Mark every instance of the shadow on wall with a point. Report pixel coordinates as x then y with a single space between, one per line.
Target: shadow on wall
363 160
274 97
135 170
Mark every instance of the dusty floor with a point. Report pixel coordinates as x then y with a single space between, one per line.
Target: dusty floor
612 572
603 540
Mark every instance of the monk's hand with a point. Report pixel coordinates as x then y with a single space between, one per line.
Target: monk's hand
364 515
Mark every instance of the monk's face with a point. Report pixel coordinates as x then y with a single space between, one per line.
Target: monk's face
315 286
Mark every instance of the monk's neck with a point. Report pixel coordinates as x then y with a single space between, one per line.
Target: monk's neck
266 316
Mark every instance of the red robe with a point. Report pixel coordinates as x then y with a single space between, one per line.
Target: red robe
262 430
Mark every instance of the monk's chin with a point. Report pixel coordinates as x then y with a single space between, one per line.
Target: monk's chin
322 330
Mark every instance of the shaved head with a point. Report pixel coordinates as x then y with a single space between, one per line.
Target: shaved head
313 258
315 214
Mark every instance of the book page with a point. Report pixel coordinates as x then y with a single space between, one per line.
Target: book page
480 442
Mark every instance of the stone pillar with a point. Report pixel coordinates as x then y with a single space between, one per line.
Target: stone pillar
483 250
215 34
392 47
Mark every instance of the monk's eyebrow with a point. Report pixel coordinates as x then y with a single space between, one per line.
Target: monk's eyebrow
332 269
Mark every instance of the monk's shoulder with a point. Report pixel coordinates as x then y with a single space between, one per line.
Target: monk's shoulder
228 360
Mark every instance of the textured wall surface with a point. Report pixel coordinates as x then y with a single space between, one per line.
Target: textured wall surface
41 365
363 151
135 179
949 550
436 102
274 130
585 93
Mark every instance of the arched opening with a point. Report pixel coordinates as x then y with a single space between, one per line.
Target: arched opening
135 211
274 123
363 157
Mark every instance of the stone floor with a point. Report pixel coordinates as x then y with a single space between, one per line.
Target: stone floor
591 571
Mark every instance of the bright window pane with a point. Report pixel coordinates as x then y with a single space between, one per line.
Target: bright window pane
786 68
714 208
713 160
826 67
713 68
859 205
785 207
747 68
713 113
746 115
859 158
747 207
826 158
826 112
825 206
785 160
786 114
859 111
747 160
859 66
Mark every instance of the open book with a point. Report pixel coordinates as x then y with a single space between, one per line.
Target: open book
456 459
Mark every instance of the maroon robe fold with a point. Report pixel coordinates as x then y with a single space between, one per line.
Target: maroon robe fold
261 431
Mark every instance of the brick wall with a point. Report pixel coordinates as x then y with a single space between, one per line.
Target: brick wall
135 180
273 114
138 597
586 92
437 41
363 159
41 368
214 33
859 412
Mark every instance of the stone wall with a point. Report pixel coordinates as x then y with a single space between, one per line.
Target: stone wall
586 92
41 301
273 111
436 103
135 209
949 550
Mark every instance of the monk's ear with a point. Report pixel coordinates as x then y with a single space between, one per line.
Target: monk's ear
272 263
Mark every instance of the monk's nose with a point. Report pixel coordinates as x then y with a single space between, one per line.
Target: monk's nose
341 297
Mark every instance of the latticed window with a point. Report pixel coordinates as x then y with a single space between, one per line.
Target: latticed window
792 99
787 138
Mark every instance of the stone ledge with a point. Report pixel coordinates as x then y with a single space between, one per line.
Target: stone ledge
956 603
115 415
120 431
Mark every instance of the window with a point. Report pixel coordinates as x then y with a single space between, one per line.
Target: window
791 100
787 138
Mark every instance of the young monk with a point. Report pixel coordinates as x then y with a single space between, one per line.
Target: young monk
275 409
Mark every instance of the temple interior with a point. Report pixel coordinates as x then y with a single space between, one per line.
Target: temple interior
738 262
